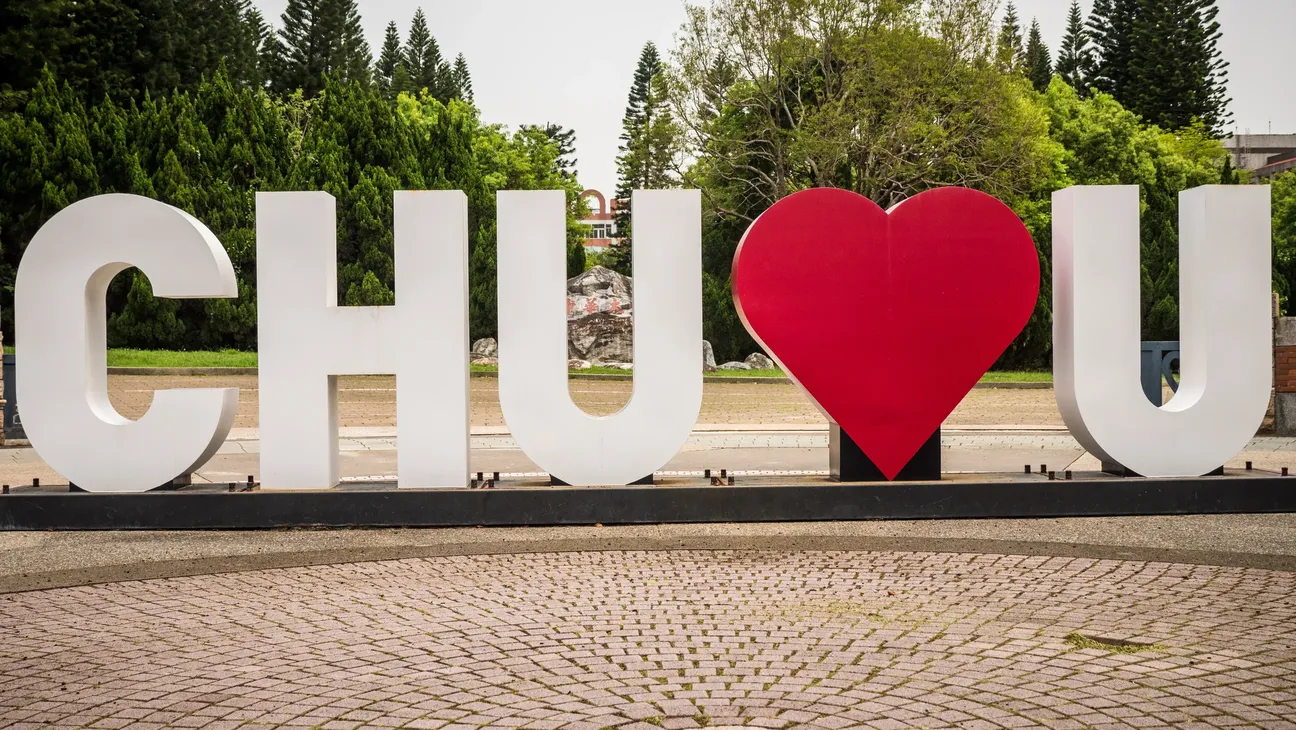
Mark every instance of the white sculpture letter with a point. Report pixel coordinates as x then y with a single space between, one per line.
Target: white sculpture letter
570 444
306 340
60 316
1225 327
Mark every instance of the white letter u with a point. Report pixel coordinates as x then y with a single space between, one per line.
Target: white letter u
563 440
1226 330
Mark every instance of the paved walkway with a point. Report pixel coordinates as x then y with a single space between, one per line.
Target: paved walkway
640 641
370 400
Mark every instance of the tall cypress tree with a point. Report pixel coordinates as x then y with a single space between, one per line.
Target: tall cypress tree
462 79
1111 26
1176 72
388 61
1075 58
1011 56
1039 65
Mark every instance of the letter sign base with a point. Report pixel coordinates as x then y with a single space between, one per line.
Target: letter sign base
777 499
1120 471
847 462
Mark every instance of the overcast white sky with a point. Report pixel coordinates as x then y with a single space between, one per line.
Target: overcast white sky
571 61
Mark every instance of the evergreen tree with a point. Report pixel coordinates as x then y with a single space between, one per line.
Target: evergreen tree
388 61
255 33
1176 74
423 61
46 164
462 79
417 46
1075 58
1011 55
1039 65
321 38
122 48
565 140
1111 27
649 141
353 59
33 35
1229 174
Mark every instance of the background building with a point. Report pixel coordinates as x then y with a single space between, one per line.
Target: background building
1265 155
601 221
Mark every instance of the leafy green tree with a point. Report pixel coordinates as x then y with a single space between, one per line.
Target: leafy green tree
884 99
1039 65
1106 144
1283 194
1075 57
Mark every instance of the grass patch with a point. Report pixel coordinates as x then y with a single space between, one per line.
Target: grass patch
775 373
655 720
129 358
1017 376
122 358
1111 646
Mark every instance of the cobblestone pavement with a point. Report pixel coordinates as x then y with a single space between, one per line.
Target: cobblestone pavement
371 401
640 641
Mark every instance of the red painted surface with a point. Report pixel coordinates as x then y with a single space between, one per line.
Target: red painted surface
886 321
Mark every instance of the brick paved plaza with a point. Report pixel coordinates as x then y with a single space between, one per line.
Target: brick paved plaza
667 639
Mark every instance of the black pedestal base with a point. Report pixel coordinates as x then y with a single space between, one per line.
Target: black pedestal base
644 482
847 462
1120 471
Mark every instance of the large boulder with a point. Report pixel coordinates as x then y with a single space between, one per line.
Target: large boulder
485 347
735 366
758 361
599 324
708 358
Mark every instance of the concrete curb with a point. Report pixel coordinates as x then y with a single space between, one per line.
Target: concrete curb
740 379
150 570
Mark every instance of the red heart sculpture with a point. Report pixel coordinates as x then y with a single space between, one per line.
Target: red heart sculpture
886 320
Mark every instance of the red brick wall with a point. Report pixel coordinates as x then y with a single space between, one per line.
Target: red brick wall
1285 369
